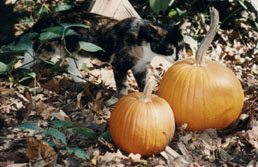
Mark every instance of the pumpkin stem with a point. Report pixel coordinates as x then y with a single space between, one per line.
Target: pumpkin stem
147 92
205 43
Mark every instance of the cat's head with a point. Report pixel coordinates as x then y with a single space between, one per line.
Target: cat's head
166 40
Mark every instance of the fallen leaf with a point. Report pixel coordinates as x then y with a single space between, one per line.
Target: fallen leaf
184 151
107 144
60 115
40 152
6 91
17 165
118 156
44 110
252 136
52 85
134 156
98 103
169 153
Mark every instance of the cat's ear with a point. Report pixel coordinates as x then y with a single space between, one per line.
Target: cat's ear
155 29
180 25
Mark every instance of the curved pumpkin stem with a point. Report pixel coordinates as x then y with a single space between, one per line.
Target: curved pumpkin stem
201 52
147 92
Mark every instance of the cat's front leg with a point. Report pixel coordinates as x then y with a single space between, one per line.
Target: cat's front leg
121 63
140 73
120 75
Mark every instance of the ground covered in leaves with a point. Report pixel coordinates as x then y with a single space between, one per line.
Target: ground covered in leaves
73 118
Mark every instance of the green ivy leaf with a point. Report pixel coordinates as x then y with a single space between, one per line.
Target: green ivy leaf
25 43
157 5
49 36
67 25
60 30
80 153
28 125
3 67
56 134
57 29
28 37
29 75
70 32
165 4
23 46
172 13
6 67
106 136
84 131
89 47
62 7
62 124
181 12
41 12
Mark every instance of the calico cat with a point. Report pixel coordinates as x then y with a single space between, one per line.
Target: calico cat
128 44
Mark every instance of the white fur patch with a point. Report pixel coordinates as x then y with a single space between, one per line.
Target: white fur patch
148 55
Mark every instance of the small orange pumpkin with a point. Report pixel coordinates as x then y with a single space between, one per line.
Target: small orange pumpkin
202 93
142 123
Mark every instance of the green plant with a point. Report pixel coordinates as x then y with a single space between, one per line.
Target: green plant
158 5
25 44
60 129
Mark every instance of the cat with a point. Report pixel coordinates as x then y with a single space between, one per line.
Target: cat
128 44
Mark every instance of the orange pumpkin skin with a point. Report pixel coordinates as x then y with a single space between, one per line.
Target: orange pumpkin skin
142 127
203 97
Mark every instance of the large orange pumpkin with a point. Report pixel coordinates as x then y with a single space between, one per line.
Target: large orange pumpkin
202 93
142 123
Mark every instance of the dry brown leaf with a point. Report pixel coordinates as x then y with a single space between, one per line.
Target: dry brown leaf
173 158
134 156
18 64
71 161
40 152
6 91
79 97
17 165
44 110
252 136
60 115
52 85
184 151
107 144
118 156
98 103
94 152
26 99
